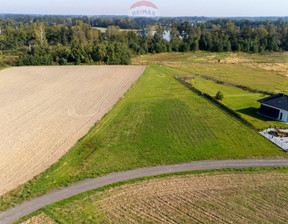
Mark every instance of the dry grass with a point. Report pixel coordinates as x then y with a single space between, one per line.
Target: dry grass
234 59
267 72
45 110
206 198
280 68
40 219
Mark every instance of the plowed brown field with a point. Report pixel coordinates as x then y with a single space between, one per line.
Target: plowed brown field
204 198
45 110
228 198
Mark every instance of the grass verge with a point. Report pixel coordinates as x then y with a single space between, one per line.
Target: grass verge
87 207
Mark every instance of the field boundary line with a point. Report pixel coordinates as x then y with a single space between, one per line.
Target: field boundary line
219 104
226 109
33 205
244 88
223 83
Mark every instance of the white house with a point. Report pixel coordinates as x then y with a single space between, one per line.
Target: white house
275 107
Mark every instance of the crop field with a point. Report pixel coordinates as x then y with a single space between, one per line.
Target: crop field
221 197
159 121
266 72
45 110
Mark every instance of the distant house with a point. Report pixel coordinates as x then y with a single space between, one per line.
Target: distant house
275 107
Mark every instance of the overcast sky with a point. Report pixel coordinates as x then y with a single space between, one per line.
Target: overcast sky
221 8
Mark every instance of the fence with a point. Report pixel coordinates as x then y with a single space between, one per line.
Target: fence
280 142
219 104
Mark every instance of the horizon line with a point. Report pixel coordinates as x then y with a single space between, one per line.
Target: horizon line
119 15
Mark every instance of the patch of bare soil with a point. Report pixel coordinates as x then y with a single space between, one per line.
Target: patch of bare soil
40 219
46 110
221 198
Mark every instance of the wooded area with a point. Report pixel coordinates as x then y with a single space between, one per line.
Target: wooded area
60 40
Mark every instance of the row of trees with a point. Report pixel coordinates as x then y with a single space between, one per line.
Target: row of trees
123 22
40 43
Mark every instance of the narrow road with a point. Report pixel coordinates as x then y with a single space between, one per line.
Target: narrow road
28 207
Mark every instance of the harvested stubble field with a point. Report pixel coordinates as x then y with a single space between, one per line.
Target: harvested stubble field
40 219
246 197
45 110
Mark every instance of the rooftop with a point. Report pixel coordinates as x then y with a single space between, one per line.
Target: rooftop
279 101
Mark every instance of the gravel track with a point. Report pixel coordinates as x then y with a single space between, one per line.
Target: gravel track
26 208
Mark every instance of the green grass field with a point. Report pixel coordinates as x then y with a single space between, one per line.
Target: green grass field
262 72
159 121
250 195
268 72
243 102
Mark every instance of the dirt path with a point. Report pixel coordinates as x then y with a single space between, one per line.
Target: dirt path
46 110
26 208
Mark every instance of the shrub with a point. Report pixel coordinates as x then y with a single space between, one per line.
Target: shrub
63 61
219 95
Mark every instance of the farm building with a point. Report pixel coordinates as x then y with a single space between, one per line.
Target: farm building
275 107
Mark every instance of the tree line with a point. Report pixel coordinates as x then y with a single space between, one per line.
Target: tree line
43 43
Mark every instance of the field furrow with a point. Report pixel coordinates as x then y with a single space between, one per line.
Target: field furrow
196 198
45 110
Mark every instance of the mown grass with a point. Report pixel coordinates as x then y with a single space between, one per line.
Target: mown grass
254 78
86 207
159 121
236 68
243 102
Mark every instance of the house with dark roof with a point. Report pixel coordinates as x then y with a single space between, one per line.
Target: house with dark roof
275 107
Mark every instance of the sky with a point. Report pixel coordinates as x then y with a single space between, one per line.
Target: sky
217 8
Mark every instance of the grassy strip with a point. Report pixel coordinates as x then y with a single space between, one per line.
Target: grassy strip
64 202
219 104
244 88
244 103
240 69
231 111
239 75
4 67
158 122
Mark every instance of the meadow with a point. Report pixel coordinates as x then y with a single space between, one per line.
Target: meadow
247 196
268 73
159 121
